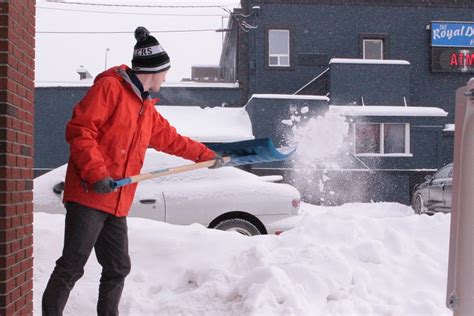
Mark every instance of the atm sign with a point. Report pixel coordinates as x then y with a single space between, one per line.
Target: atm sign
452 59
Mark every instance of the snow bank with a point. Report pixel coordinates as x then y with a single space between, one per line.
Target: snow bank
357 259
209 124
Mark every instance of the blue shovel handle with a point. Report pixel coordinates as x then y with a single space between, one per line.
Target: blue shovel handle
120 183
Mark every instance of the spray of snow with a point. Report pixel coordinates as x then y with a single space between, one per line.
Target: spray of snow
321 143
320 139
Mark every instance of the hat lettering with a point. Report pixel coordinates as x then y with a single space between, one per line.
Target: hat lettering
144 51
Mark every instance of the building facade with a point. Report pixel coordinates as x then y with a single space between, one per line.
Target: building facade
390 67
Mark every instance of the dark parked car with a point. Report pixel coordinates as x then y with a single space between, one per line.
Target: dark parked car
434 195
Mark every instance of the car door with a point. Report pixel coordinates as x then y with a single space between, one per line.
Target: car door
447 191
149 202
436 188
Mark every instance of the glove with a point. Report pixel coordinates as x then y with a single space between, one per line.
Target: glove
103 186
219 162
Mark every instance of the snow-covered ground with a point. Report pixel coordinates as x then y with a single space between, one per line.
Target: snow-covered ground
356 259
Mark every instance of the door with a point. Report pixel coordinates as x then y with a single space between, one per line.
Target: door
149 202
447 191
436 199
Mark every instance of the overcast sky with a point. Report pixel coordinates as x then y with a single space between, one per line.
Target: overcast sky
58 55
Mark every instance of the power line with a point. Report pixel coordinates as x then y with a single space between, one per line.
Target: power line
124 32
130 13
238 18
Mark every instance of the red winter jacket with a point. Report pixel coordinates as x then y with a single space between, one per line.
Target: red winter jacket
110 130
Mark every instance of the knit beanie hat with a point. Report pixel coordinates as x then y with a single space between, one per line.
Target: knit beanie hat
148 55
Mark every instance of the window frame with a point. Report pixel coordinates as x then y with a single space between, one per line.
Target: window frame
374 36
267 49
373 40
381 152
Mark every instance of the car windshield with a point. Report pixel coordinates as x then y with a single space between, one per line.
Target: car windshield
444 172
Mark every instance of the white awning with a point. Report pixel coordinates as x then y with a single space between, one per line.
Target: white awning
368 61
385 110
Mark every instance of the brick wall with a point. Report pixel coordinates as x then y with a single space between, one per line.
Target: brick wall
17 29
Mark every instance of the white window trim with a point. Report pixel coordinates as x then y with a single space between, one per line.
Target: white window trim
279 55
372 40
381 153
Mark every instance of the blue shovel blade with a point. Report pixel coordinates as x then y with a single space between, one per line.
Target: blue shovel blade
251 151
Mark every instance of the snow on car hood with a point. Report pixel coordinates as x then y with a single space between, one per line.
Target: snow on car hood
203 183
198 183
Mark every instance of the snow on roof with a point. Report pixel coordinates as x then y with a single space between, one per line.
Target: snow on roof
46 84
194 84
449 128
182 84
290 96
368 61
206 65
385 110
216 124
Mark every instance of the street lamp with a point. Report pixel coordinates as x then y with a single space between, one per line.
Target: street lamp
106 52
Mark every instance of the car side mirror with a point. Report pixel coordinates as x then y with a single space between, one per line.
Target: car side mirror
428 177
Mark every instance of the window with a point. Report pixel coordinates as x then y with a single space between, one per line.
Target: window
367 138
394 138
279 48
443 173
372 49
374 45
387 139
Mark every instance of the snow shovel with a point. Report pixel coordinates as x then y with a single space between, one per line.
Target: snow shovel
234 154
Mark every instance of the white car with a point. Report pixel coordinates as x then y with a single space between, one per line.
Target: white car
226 198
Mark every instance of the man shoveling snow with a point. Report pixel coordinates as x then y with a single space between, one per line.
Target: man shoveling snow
109 132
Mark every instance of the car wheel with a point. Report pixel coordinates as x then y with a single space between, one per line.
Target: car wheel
239 225
418 205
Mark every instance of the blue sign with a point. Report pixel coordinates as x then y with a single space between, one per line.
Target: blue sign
452 34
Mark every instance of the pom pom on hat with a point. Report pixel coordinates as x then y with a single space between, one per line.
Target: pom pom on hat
141 34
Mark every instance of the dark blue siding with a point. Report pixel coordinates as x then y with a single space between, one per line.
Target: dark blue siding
334 30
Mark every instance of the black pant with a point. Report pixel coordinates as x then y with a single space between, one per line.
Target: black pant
88 228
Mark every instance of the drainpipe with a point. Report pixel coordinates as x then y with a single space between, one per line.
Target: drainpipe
460 289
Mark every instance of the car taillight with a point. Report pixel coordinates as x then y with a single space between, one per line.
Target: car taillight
296 203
